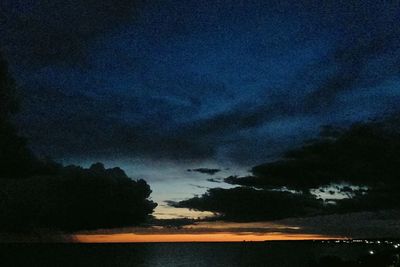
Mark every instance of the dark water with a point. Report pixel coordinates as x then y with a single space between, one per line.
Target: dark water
176 254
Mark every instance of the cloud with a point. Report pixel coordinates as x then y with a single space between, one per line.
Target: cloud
74 198
214 180
205 170
96 126
177 93
363 157
380 224
43 32
240 203
351 65
37 194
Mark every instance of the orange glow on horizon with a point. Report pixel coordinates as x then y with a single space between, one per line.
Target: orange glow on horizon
213 237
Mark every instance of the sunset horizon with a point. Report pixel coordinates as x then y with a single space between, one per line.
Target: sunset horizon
200 133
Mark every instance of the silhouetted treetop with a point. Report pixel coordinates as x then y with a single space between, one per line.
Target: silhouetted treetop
8 92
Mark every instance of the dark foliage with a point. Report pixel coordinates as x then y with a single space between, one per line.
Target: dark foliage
15 158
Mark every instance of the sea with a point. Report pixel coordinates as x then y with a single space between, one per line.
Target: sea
277 253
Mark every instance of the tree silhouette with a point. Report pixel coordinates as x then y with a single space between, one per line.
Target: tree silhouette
16 160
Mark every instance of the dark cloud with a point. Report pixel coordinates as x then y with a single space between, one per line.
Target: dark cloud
240 203
177 93
74 198
364 156
205 170
86 126
173 81
43 32
352 64
351 68
347 68
363 57
380 224
173 223
37 193
214 180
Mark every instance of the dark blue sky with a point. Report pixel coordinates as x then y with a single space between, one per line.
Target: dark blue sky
161 86
235 81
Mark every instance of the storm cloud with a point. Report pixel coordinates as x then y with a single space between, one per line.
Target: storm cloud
74 198
364 158
41 194
212 83
242 83
41 33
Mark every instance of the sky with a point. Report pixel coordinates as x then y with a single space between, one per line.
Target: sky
165 88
